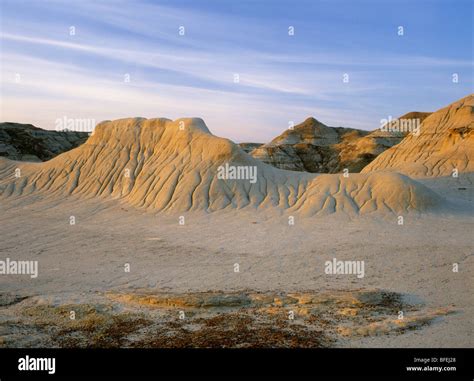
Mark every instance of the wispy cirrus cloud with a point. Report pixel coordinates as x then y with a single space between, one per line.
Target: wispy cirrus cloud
282 78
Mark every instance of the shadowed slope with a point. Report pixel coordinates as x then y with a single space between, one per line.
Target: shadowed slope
314 147
159 164
26 142
310 146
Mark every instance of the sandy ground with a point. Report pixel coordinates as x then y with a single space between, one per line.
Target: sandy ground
81 263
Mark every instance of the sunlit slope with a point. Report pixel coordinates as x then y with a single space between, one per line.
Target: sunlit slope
165 165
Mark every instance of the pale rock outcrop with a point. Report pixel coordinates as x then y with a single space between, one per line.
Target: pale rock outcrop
445 143
157 165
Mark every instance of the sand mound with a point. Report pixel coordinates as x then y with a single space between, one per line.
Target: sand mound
165 165
445 142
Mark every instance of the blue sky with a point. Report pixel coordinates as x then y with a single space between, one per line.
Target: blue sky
283 78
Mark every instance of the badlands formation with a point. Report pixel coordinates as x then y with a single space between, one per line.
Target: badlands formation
169 247
309 146
26 142
314 147
164 165
445 144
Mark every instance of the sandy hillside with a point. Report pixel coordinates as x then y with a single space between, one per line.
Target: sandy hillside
445 143
162 165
